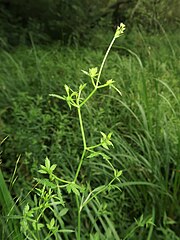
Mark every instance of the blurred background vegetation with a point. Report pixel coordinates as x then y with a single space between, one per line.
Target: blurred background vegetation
74 21
44 45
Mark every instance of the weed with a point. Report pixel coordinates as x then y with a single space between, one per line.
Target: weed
145 126
49 196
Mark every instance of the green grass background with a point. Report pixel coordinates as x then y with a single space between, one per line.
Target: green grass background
144 120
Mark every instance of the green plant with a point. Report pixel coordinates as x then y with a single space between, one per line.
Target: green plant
145 125
49 195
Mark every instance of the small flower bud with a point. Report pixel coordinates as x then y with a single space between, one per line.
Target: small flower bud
120 30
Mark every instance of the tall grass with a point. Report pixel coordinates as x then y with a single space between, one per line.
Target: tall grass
144 121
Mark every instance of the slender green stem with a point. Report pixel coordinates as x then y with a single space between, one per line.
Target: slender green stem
79 220
99 74
80 119
97 193
79 225
89 96
84 143
82 127
79 166
95 146
104 60
61 180
37 231
78 105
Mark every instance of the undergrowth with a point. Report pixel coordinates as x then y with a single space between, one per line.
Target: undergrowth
140 200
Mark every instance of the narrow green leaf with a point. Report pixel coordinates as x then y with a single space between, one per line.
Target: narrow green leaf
105 156
94 154
82 86
51 224
100 188
42 171
53 167
85 72
57 96
67 89
66 230
63 212
47 163
69 189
